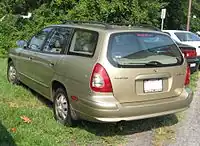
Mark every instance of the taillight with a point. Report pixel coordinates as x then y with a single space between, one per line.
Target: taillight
189 53
100 81
187 77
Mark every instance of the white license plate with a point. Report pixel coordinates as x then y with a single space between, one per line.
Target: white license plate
192 64
153 86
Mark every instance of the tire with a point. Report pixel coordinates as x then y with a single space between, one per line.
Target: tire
61 108
12 74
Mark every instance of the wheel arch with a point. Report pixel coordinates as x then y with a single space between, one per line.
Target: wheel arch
55 85
9 60
58 84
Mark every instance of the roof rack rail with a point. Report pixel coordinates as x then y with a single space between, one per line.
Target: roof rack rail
85 22
148 26
137 25
110 25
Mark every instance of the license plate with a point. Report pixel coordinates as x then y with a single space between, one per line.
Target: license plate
153 86
192 64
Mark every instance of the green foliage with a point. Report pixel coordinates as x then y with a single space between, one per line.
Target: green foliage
174 9
195 11
51 12
47 12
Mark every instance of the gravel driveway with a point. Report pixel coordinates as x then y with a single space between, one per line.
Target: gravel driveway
188 132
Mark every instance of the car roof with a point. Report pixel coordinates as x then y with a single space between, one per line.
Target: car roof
104 27
173 31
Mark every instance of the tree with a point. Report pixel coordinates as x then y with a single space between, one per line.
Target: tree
112 11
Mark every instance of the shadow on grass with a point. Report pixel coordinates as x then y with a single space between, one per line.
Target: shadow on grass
5 137
120 128
128 128
42 99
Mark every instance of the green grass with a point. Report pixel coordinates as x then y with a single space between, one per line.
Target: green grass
17 101
193 80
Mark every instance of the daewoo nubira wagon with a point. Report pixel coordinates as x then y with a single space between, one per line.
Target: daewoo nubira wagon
103 73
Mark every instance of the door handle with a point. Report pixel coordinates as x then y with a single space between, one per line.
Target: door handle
51 64
30 58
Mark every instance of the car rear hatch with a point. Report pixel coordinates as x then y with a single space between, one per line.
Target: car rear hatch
144 66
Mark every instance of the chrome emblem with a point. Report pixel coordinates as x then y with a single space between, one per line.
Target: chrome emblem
155 70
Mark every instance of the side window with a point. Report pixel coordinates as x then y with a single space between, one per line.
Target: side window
56 43
84 42
38 40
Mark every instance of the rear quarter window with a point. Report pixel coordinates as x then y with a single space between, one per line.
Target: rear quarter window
187 36
84 43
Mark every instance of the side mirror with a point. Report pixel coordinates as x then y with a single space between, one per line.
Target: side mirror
21 43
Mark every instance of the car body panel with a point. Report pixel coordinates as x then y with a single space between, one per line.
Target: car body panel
114 112
39 70
43 70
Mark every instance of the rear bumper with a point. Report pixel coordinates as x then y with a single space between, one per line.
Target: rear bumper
116 112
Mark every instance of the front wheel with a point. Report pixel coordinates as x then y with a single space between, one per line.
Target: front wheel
61 108
12 74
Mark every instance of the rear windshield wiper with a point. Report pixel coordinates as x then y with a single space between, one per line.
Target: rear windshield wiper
151 64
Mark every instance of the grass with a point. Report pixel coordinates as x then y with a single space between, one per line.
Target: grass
193 80
17 101
168 133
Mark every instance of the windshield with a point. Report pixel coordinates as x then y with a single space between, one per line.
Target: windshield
187 36
143 49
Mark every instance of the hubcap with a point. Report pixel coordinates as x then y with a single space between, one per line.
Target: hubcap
61 106
12 73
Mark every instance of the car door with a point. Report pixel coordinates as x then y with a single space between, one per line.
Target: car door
45 61
26 59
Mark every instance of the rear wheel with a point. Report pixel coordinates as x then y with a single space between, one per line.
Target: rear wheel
61 108
12 74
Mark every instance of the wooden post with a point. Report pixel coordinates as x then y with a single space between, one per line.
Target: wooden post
189 15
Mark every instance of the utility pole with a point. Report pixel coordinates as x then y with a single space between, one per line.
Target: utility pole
189 15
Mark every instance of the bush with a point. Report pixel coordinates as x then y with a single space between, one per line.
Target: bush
48 12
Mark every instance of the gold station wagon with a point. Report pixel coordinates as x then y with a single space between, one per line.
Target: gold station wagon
103 73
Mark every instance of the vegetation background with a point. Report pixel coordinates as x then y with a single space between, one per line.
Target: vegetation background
46 12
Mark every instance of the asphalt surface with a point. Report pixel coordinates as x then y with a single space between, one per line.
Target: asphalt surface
188 132
140 139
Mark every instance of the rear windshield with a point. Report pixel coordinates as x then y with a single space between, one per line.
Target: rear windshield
136 49
187 36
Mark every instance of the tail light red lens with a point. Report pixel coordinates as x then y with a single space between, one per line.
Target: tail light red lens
189 53
100 81
187 77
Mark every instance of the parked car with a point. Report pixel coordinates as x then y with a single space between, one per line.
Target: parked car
191 56
103 73
186 37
